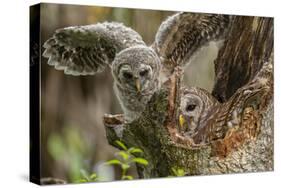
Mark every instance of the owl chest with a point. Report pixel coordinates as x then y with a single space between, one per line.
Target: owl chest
131 101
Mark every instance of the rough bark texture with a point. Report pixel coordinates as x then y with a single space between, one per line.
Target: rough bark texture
248 46
249 43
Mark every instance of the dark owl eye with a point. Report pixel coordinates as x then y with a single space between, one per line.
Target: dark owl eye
143 72
190 107
127 75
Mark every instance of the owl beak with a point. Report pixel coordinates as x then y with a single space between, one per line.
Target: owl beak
138 85
181 120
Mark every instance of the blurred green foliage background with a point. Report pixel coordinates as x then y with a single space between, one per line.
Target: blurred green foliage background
72 132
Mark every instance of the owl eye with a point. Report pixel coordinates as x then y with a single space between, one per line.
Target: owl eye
143 72
190 107
127 75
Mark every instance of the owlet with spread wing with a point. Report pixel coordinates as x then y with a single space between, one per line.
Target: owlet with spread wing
136 67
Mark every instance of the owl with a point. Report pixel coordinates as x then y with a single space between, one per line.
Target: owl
138 69
204 119
196 105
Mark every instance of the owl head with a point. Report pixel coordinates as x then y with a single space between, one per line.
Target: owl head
195 105
136 69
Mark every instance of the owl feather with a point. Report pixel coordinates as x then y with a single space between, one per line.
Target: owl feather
183 34
86 50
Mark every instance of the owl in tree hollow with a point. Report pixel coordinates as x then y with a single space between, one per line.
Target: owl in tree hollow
136 67
204 119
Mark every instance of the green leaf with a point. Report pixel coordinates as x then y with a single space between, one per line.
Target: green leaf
119 143
125 166
85 174
56 146
174 170
82 181
93 176
113 162
140 161
178 171
127 177
124 155
135 150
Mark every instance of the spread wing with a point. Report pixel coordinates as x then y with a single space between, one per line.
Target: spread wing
182 34
86 50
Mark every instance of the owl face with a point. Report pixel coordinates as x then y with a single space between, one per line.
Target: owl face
195 105
136 69
190 110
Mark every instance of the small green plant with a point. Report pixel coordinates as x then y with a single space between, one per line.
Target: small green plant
87 178
178 172
125 159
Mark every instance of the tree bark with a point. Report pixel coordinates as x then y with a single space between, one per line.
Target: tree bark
248 45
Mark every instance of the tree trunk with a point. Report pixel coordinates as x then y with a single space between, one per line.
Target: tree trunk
248 45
